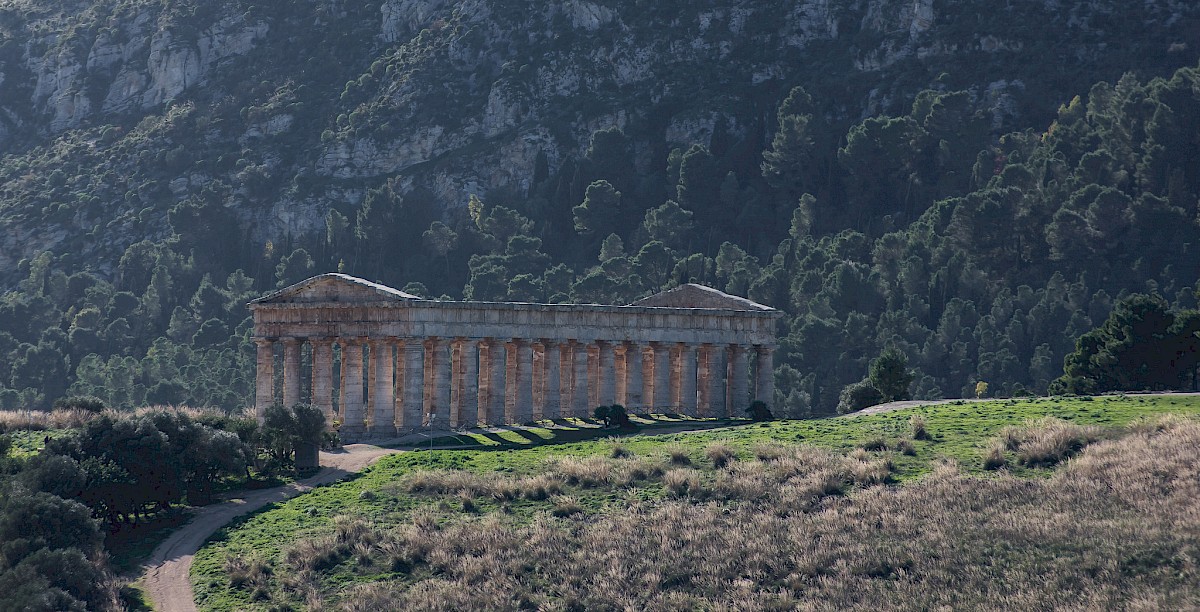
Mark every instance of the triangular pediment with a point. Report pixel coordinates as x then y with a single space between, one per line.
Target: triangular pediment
341 288
692 295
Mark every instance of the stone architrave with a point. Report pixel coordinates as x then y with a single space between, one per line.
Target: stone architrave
567 377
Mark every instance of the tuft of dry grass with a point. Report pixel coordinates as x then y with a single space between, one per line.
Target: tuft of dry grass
678 455
619 451
993 457
681 482
584 472
539 487
719 454
565 505
768 452
1047 442
916 428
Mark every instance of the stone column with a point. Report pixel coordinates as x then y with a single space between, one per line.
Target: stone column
717 408
497 389
593 376
264 382
468 351
537 374
523 406
322 381
579 380
739 380
606 374
291 371
685 403
369 375
634 392
765 387
662 377
703 381
353 425
383 419
552 395
619 372
439 398
413 405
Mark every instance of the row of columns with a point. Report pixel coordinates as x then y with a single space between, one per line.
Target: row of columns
409 383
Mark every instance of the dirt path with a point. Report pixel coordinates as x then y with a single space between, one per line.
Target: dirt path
166 579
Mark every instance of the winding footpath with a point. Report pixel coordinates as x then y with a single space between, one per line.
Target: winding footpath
166 579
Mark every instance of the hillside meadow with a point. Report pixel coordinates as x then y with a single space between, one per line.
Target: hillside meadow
1054 502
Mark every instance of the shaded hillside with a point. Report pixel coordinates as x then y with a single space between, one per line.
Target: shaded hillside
911 174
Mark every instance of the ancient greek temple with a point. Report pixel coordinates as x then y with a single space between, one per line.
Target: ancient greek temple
382 362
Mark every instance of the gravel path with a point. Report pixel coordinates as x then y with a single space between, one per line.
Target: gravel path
166 579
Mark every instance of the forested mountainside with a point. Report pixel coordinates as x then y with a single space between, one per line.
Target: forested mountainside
973 183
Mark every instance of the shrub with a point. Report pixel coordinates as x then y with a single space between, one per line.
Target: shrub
905 447
855 397
758 411
86 403
719 454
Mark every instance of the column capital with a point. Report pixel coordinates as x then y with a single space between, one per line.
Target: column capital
290 340
262 341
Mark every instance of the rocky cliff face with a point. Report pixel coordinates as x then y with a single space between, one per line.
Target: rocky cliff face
113 112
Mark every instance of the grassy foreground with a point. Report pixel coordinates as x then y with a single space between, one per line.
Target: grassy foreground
830 513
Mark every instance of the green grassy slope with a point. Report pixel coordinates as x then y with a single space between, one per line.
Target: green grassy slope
253 563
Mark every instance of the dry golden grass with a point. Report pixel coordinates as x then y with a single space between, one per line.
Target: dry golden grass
1116 527
1047 442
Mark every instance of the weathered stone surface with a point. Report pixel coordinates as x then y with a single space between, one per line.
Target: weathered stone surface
536 362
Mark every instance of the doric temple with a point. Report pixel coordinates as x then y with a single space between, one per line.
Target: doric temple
383 362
